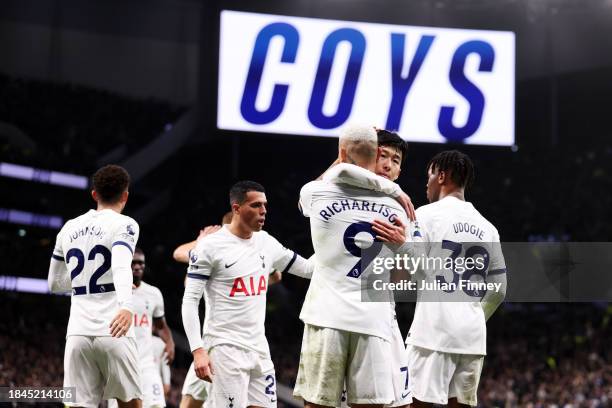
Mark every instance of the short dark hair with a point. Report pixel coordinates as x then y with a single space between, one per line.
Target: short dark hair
392 139
138 250
239 190
110 182
458 164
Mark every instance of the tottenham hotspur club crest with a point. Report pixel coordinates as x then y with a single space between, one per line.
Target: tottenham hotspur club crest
263 263
231 402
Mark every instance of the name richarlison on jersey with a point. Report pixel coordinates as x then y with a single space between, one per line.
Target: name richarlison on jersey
359 205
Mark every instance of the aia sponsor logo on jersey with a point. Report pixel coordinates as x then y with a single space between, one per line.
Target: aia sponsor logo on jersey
142 321
249 287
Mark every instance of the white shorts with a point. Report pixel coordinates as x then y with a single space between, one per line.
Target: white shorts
330 356
399 365
101 368
152 389
436 376
193 386
241 378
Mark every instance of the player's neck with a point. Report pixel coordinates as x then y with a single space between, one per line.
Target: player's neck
115 207
454 192
241 231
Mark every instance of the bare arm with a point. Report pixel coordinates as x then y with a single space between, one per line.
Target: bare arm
275 277
181 253
166 335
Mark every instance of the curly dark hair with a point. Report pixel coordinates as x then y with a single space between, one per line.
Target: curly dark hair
110 182
458 165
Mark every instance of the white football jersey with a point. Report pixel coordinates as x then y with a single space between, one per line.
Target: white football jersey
237 271
148 305
159 357
454 323
85 244
340 224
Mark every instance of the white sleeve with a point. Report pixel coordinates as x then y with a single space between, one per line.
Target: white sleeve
194 289
198 274
164 371
58 277
121 267
359 177
286 260
158 309
305 201
493 298
302 267
496 275
124 243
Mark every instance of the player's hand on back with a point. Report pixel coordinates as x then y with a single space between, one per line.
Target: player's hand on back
208 230
390 233
406 203
121 323
202 365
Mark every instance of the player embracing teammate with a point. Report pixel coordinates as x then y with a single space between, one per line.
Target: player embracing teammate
447 339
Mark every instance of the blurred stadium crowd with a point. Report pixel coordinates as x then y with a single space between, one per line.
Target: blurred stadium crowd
540 355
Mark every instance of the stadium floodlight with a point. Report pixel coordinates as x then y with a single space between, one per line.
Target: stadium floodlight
43 176
27 218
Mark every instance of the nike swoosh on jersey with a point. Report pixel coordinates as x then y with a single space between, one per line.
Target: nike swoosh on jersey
230 265
405 395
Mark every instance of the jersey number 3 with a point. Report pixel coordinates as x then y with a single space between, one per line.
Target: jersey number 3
93 282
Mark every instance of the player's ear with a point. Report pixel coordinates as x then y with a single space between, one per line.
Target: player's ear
124 196
342 154
94 195
441 177
235 207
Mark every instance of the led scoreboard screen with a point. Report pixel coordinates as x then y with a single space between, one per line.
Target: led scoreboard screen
307 76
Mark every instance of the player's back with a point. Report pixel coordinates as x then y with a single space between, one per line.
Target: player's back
448 316
340 220
86 245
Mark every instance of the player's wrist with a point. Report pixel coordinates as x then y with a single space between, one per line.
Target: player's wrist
199 350
127 309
